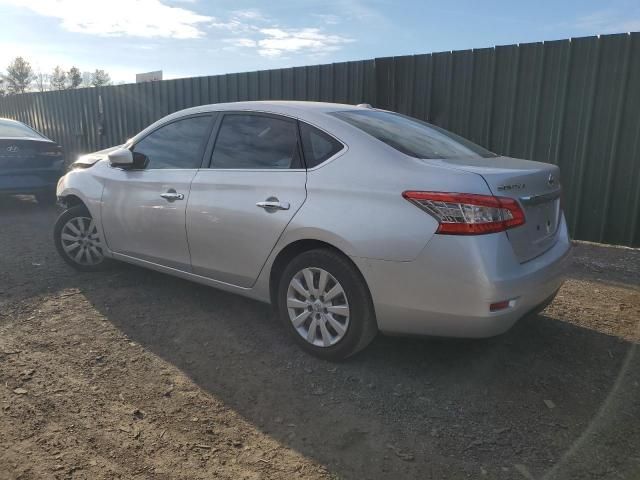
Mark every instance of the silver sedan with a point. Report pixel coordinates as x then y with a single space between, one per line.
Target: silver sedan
349 219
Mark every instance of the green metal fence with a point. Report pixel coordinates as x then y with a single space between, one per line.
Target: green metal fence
575 103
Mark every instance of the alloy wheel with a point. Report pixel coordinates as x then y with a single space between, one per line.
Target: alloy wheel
318 307
81 241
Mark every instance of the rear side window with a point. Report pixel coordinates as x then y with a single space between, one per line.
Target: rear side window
17 130
317 145
176 145
411 136
256 142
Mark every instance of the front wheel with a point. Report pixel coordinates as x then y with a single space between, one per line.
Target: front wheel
325 304
77 240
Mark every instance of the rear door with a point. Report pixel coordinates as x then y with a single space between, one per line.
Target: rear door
143 210
240 206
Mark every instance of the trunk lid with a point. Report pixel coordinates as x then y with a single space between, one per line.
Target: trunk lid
17 154
535 185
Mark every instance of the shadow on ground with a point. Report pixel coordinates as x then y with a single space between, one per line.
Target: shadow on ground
548 397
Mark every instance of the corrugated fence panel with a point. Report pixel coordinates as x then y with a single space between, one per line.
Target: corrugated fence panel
575 103
585 54
623 216
461 87
527 98
481 100
610 81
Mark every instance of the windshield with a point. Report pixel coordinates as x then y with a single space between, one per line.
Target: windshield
11 129
411 136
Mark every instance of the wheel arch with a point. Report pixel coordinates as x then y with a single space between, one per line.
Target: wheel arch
77 188
71 200
295 248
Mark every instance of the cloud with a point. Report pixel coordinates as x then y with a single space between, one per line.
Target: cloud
274 42
256 31
241 42
250 14
242 21
607 21
135 18
248 28
234 25
278 41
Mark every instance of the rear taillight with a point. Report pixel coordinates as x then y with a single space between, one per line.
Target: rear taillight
468 213
52 152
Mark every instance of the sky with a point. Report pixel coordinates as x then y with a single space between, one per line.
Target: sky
187 38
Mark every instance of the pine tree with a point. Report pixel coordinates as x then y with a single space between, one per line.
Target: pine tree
58 79
75 77
100 78
19 76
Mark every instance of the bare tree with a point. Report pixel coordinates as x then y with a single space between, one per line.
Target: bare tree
86 79
58 79
100 78
42 81
75 77
19 76
3 90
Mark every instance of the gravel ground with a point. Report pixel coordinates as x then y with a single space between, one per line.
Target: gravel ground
135 374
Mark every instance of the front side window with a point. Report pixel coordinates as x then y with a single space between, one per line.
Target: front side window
317 145
256 142
9 129
176 145
411 136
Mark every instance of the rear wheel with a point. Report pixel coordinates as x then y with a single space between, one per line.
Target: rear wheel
77 240
325 304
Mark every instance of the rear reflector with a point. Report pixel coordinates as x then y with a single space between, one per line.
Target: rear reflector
468 213
494 307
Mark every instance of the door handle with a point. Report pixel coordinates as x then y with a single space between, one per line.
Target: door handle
272 204
172 196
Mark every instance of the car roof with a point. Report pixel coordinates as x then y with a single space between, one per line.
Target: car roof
298 109
312 112
291 106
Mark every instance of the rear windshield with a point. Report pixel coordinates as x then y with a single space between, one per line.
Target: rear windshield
411 136
16 130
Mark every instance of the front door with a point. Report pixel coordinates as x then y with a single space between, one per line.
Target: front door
240 206
143 210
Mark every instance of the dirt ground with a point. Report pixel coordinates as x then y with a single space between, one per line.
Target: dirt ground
134 374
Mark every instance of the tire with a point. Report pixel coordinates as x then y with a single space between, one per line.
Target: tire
76 216
46 198
342 335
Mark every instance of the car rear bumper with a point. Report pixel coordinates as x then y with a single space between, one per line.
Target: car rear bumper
448 289
29 181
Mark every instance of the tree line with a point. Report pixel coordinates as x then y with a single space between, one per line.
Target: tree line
20 78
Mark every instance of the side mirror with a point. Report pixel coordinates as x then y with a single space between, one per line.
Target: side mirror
121 157
140 161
